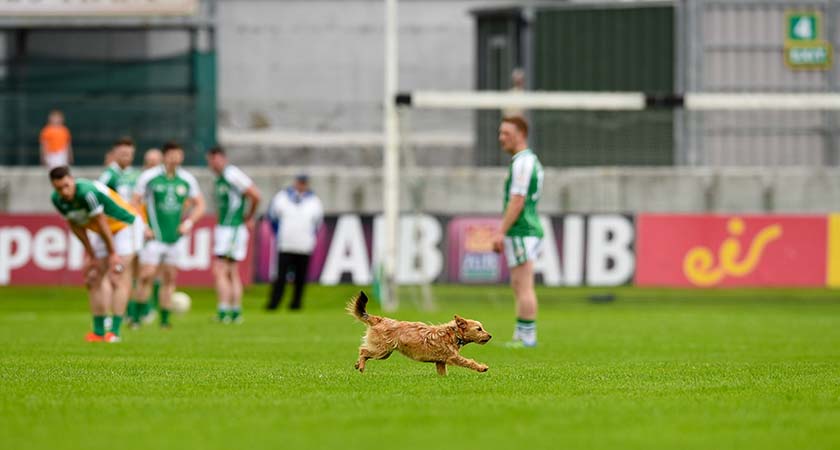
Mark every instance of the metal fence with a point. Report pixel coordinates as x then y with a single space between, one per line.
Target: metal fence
739 46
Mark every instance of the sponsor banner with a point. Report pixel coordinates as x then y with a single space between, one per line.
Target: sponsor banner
41 249
63 8
596 250
724 251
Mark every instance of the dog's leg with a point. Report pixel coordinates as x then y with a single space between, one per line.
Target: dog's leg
364 355
459 360
441 368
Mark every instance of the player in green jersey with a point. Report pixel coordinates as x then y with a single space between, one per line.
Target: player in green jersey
121 177
111 233
230 237
173 204
520 235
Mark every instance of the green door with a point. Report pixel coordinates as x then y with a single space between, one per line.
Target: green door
499 53
604 49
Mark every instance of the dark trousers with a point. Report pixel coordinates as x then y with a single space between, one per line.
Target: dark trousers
289 262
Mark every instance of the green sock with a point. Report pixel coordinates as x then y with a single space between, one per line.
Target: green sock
116 321
129 309
164 316
99 325
222 312
154 300
235 312
137 312
145 308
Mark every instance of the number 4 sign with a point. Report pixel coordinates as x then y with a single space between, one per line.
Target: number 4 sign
804 49
803 26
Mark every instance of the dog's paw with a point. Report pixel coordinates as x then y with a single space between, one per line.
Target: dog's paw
482 368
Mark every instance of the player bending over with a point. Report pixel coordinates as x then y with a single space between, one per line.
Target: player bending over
233 187
168 192
111 233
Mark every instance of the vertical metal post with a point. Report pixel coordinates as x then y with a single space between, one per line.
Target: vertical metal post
830 156
390 163
680 61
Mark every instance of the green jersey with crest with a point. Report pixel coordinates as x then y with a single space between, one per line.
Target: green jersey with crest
525 178
164 196
120 180
91 199
230 201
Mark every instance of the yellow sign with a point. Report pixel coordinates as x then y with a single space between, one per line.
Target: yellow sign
833 271
699 263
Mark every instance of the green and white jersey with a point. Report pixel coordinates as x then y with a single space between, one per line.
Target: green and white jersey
93 198
230 201
525 178
164 196
120 180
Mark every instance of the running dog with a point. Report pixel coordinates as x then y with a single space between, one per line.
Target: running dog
439 344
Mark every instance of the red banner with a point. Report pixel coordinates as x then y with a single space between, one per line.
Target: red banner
40 249
724 251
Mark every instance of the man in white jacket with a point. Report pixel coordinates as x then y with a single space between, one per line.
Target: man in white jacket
296 213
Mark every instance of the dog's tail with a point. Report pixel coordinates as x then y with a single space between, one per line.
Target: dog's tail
356 308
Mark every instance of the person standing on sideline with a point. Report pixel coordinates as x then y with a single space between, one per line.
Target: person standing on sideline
56 150
296 212
520 234
111 233
235 222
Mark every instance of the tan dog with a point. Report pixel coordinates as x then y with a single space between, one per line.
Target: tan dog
439 344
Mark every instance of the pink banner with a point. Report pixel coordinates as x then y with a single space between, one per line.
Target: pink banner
40 249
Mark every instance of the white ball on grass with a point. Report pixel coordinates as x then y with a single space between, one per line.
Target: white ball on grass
180 302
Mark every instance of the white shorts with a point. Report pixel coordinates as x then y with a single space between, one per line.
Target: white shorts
521 249
57 159
156 253
230 242
127 241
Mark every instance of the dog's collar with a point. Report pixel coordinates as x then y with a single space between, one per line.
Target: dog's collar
459 340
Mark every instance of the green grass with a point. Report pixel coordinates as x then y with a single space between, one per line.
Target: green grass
654 369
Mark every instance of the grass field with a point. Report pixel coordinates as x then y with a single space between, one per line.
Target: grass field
748 369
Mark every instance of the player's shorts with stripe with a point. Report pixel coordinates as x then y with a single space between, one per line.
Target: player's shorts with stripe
156 252
127 241
521 249
230 242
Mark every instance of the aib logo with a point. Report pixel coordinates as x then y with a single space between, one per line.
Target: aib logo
733 259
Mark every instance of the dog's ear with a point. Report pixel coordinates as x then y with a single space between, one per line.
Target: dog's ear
460 322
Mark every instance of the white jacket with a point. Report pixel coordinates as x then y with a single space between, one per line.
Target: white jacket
298 217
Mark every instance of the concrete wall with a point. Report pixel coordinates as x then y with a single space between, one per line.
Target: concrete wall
316 65
474 190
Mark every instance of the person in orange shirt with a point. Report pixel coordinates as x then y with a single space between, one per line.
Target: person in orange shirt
55 142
